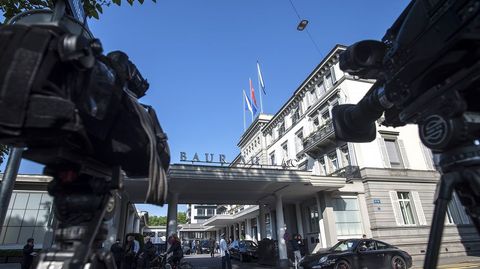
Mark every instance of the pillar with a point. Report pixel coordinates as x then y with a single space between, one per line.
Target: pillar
299 219
280 224
362 203
323 239
172 214
328 218
261 221
248 229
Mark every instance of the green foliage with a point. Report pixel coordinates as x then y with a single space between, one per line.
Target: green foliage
3 152
93 8
162 220
182 217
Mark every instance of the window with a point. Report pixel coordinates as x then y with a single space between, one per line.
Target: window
285 151
345 156
281 129
332 157
268 226
347 217
316 123
321 89
313 96
325 116
28 216
323 167
313 218
328 81
393 152
295 115
201 212
381 245
272 158
299 141
456 212
210 212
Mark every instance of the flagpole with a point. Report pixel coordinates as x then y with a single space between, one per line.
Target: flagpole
259 89
243 108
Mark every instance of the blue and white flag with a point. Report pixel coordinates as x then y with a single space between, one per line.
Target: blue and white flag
260 79
248 104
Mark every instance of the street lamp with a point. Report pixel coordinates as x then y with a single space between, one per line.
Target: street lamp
302 25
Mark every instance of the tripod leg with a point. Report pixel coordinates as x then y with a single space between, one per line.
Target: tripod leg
447 183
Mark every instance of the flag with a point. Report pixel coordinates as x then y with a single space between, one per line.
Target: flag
260 79
248 104
252 95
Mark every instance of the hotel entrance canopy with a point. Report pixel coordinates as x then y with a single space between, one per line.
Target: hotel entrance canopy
197 184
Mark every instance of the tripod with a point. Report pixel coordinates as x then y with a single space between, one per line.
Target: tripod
83 199
461 173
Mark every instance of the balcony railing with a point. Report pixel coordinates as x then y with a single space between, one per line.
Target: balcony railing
348 172
316 141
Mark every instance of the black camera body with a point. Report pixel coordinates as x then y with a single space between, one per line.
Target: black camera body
426 64
69 105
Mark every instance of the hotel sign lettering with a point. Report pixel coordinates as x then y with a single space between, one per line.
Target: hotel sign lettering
206 158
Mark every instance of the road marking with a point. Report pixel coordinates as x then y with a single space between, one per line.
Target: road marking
459 266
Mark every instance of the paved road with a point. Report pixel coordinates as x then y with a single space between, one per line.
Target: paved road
204 261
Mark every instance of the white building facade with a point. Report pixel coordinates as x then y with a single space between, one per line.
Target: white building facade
389 183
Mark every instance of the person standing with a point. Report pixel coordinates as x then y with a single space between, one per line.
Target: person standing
176 250
28 254
211 246
194 248
148 253
296 243
225 254
118 252
130 253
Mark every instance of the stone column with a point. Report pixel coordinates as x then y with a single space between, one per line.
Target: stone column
328 218
172 214
299 219
261 221
282 247
323 239
248 229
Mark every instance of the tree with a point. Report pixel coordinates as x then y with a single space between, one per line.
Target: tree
162 220
93 8
182 217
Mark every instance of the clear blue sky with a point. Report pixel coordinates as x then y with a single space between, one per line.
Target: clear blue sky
198 56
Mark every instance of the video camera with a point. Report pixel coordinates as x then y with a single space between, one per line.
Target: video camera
427 72
427 64
76 111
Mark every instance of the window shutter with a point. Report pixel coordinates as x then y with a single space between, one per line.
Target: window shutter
403 152
419 208
397 212
427 154
384 154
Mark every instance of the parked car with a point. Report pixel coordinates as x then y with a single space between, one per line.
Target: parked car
204 247
244 250
359 253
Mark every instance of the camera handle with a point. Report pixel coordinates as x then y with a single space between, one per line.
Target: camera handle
83 200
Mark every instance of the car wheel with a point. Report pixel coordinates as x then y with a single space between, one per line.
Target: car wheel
342 264
398 263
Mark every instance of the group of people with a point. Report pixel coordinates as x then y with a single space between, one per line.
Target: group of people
196 247
133 256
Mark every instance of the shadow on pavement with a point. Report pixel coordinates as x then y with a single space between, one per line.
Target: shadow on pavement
204 261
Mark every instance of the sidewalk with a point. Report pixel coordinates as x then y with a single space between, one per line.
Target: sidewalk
457 262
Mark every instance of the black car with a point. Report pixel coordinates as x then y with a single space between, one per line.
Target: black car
359 253
244 250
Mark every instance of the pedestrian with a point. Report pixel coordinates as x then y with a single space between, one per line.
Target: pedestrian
118 252
211 246
130 255
194 247
28 254
296 243
225 254
176 250
148 253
